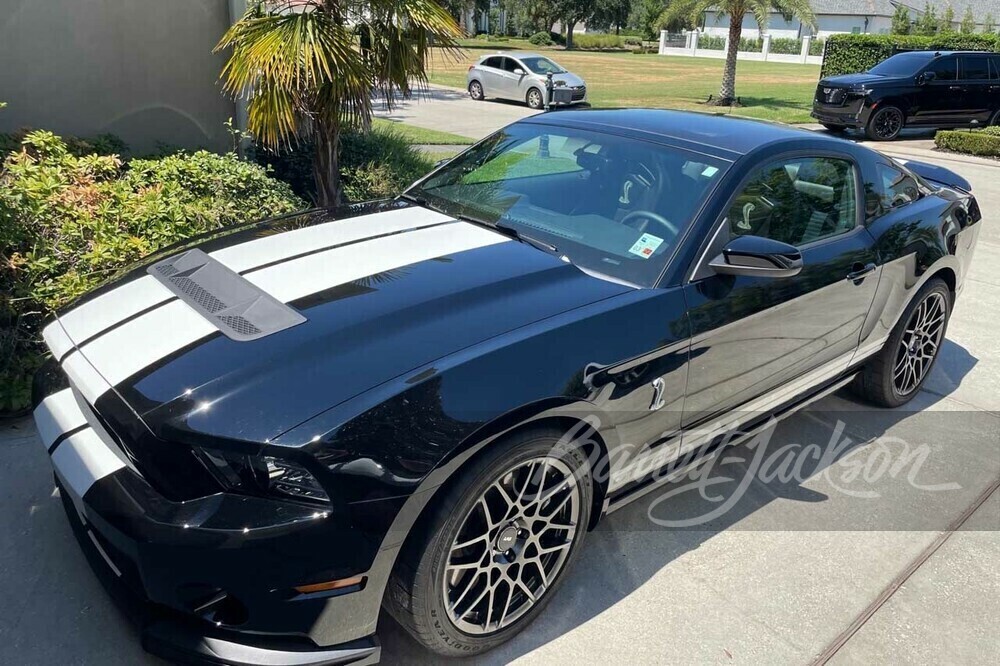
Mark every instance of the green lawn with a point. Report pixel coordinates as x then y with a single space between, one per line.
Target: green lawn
419 135
773 91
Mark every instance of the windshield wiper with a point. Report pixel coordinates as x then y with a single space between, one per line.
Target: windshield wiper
517 235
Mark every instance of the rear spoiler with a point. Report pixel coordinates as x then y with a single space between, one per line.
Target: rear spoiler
937 174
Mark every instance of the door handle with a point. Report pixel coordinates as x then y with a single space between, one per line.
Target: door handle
658 401
956 87
860 272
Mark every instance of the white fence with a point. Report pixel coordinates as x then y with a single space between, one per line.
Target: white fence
690 48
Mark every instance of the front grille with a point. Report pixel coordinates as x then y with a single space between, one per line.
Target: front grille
579 93
828 95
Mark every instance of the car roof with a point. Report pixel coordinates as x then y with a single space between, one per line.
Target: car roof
934 54
722 136
515 54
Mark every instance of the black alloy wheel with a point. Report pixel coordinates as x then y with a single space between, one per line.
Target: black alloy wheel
885 124
490 555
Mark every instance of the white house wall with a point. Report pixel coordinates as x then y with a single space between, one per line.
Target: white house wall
829 24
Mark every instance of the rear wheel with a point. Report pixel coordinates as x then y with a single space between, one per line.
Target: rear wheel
496 546
836 129
894 375
885 124
534 99
476 90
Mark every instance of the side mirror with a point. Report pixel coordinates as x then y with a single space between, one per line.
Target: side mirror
761 257
927 77
519 71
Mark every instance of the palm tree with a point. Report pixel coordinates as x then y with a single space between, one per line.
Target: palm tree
310 69
693 10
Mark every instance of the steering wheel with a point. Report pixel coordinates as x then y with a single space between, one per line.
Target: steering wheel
647 216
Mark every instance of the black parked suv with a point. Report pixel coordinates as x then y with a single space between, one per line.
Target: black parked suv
913 89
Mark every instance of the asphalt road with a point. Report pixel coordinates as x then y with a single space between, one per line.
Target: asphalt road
849 560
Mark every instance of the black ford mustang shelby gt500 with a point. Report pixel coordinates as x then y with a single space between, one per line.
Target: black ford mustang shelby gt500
270 432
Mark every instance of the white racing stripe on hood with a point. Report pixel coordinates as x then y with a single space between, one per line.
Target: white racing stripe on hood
260 251
138 344
90 318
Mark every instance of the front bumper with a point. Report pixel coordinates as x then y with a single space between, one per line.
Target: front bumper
853 114
214 577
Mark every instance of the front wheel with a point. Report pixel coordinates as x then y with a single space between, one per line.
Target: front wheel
487 560
894 375
534 99
476 91
885 124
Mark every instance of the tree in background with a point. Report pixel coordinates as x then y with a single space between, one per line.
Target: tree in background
610 15
300 68
947 22
646 15
571 12
927 23
901 21
968 25
736 10
989 23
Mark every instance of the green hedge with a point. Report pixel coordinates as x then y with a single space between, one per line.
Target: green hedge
68 222
541 39
976 142
597 42
846 54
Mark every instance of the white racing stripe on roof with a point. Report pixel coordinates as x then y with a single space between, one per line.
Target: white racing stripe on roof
142 342
84 377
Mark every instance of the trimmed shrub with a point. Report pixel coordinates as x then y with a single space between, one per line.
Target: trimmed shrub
751 44
817 47
846 54
375 165
984 142
711 42
102 144
69 222
632 40
597 42
541 39
786 45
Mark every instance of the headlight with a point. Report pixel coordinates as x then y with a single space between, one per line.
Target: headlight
263 475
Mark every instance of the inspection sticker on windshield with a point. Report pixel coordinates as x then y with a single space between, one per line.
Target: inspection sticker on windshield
646 245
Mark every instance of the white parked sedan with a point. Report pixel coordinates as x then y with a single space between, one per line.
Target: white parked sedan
523 77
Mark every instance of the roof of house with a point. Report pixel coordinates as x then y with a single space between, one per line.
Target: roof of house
980 8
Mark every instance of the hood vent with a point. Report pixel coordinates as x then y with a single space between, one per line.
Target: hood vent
233 304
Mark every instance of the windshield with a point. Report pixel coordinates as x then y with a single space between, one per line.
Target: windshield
540 65
608 204
901 64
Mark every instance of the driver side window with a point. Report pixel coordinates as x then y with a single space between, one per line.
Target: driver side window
797 201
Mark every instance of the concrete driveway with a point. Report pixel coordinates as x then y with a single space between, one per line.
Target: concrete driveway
868 558
452 110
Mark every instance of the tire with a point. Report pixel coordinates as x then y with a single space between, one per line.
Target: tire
534 99
421 590
476 91
995 120
885 124
836 129
881 380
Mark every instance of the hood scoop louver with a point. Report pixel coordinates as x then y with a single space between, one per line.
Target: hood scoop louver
232 303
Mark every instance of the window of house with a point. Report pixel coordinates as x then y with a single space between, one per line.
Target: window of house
797 201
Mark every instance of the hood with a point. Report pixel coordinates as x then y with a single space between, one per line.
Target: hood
565 79
358 302
855 80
